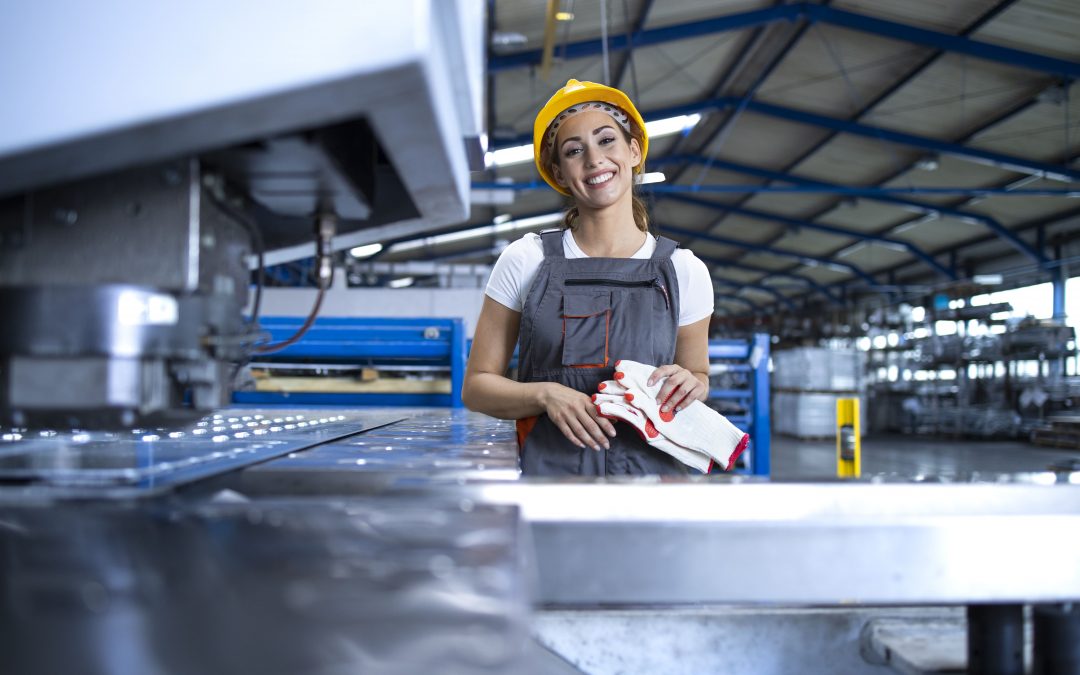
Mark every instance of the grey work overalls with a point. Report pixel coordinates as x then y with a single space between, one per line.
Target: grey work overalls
580 317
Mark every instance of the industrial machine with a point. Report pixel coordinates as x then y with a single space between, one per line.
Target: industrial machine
156 155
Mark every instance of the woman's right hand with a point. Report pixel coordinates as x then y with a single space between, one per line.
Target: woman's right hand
575 415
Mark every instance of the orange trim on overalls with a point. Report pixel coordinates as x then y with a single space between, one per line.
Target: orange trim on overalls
524 428
607 337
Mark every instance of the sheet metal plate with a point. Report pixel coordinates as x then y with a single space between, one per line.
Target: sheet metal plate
429 446
76 463
326 586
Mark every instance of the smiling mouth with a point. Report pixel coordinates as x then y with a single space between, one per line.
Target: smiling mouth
597 181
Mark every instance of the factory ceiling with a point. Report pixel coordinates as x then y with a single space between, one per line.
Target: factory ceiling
829 150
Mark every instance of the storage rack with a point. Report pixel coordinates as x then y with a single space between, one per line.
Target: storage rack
748 363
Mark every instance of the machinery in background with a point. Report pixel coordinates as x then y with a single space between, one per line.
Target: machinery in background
138 189
989 378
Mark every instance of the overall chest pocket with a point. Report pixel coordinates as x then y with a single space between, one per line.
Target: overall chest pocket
586 319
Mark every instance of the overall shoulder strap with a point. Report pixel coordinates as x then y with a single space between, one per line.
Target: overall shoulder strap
552 240
664 248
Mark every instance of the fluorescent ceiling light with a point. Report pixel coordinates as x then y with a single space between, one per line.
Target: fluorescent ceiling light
472 233
519 154
365 251
671 125
401 283
564 16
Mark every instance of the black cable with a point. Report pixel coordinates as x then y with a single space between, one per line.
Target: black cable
295 337
325 227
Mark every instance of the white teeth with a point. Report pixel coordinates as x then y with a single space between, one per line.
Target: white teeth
600 179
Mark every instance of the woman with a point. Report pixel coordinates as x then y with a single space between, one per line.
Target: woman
600 290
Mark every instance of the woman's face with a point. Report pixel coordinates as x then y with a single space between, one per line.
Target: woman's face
595 163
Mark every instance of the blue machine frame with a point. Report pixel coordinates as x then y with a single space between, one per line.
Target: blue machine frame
751 357
362 340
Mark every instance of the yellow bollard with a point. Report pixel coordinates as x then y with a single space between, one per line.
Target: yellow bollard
848 438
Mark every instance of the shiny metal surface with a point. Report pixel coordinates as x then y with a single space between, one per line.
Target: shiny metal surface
427 446
801 544
281 586
143 462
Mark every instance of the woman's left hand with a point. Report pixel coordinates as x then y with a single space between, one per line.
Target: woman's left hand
681 389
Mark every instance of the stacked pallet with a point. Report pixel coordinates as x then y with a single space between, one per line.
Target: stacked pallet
808 382
1059 431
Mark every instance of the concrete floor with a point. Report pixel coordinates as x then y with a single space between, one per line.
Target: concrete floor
908 456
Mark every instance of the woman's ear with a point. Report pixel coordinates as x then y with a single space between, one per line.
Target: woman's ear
635 152
557 174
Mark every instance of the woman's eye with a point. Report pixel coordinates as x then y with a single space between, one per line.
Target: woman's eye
570 152
605 141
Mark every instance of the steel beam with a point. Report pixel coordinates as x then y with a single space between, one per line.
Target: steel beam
780 297
812 261
931 145
803 280
944 41
653 36
924 207
814 14
735 298
819 227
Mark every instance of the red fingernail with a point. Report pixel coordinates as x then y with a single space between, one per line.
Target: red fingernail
619 376
628 396
602 386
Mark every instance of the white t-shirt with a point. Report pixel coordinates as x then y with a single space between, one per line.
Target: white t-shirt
514 271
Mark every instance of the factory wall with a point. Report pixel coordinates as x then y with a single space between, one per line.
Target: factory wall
376 302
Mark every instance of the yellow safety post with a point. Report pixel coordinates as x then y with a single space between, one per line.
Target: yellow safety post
848 438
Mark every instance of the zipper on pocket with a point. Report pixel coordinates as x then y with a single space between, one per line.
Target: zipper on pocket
652 283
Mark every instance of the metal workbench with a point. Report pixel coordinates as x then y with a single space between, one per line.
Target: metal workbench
402 540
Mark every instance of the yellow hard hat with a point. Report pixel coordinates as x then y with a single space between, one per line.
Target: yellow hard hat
572 94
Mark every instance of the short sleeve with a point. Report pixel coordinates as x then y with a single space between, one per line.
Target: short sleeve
695 287
514 271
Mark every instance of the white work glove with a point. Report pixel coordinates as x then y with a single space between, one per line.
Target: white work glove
696 427
614 406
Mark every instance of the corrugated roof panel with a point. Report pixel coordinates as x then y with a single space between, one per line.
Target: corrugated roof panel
769 261
764 141
684 215
708 249
687 11
792 205
812 242
530 20
951 172
871 257
1040 131
1017 210
867 215
749 229
835 71
1047 27
738 275
949 17
823 275
855 160
934 235
678 72
953 95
